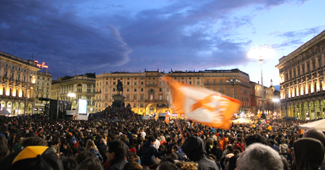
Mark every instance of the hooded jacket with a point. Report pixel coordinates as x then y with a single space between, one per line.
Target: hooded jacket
193 147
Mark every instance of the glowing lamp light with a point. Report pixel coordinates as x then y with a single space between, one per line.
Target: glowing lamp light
71 94
260 52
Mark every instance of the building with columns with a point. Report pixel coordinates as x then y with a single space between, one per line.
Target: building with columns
83 86
17 84
302 80
147 94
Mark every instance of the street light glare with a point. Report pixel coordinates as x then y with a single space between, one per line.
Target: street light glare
276 100
260 52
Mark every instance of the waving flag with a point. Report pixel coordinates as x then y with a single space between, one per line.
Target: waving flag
202 105
167 118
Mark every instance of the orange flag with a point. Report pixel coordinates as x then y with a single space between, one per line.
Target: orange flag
167 118
202 105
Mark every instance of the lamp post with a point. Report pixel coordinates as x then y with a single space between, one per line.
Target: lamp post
261 53
233 81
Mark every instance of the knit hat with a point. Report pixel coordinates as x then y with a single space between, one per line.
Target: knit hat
37 158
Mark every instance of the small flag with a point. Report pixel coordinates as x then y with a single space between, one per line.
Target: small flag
167 118
202 105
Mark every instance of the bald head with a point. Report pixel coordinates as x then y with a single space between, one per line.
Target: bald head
316 134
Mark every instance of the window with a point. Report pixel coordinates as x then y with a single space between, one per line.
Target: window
160 97
141 82
114 83
135 97
198 82
18 68
106 96
142 89
106 83
6 65
18 77
128 83
24 78
190 82
127 89
106 90
113 89
160 89
5 74
135 83
135 90
12 76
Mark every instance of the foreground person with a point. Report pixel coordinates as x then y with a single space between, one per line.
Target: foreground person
261 157
194 148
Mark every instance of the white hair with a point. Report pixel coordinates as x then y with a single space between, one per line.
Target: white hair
259 156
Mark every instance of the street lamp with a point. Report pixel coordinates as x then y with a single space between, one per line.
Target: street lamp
260 53
233 81
71 95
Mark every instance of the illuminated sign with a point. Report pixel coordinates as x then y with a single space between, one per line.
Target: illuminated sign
41 65
82 107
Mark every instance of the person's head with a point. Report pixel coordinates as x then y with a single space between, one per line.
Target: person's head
151 139
316 134
4 150
84 155
255 138
70 163
167 165
229 148
187 165
194 148
132 166
259 156
90 144
33 141
91 163
115 150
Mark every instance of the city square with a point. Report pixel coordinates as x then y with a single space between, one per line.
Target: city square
164 85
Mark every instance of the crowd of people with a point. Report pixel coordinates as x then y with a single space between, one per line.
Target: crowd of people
118 139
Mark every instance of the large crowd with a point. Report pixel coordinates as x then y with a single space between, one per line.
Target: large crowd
118 139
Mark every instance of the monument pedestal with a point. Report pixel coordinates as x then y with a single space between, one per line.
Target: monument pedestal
118 101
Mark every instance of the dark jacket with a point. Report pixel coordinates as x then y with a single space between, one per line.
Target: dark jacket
193 147
117 164
147 154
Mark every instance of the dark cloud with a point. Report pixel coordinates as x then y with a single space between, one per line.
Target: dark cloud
75 37
35 28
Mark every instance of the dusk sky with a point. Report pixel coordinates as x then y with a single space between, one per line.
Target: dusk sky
85 36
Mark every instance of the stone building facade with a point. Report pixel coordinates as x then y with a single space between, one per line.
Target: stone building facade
43 90
83 86
147 94
302 80
17 84
256 100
